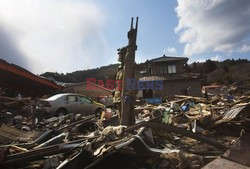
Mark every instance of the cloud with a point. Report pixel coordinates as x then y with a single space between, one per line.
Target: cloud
214 25
216 58
200 60
9 49
170 50
52 35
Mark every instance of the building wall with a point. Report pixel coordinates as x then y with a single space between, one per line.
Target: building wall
179 67
155 67
177 87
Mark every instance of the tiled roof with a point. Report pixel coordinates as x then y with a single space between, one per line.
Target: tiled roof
171 77
168 59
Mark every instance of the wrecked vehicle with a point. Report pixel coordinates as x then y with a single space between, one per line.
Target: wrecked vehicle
62 104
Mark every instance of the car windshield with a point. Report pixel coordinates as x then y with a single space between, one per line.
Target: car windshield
55 97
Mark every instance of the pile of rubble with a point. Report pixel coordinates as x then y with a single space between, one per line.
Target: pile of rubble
184 132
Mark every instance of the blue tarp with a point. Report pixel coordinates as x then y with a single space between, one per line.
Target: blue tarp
156 100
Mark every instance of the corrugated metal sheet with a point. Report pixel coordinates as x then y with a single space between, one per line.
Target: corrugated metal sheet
230 114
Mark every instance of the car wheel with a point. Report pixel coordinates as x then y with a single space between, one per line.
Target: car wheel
98 112
61 112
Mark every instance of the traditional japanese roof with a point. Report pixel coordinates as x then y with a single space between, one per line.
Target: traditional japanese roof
165 58
176 76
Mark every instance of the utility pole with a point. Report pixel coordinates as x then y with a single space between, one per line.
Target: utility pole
128 95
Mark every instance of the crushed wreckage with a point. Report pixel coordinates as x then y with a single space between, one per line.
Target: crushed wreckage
185 132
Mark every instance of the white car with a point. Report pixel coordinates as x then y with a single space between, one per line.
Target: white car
62 104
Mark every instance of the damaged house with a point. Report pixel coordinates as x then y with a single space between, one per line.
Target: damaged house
24 82
82 88
176 80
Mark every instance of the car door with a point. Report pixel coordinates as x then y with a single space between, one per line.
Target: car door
86 106
71 103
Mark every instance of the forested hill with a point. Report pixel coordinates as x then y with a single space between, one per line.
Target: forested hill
224 72
102 73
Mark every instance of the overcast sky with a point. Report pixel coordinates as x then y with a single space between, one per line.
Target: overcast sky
70 35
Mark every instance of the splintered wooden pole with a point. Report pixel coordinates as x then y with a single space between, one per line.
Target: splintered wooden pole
127 113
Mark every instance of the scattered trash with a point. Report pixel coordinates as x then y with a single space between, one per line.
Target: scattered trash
183 132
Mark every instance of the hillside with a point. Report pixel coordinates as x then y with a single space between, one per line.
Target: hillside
102 73
224 72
